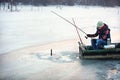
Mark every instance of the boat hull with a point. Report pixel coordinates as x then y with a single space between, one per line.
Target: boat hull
86 52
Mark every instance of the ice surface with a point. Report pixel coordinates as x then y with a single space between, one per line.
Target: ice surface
37 25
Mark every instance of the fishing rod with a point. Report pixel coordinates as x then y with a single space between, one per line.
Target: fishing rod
69 22
77 32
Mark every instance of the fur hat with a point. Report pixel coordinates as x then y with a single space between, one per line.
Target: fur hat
100 24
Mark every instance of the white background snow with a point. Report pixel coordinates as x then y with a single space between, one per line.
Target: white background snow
37 25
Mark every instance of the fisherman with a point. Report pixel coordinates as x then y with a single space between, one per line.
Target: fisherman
104 34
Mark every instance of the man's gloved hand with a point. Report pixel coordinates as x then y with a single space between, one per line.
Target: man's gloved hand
88 35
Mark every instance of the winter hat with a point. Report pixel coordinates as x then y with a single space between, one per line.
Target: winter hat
100 24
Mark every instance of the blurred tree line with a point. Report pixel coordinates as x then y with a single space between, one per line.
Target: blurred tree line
65 2
11 3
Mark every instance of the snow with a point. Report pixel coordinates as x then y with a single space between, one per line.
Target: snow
37 25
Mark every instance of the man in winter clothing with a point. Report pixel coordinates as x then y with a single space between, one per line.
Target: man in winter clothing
103 32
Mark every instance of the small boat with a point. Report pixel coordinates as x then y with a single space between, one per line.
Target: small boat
86 52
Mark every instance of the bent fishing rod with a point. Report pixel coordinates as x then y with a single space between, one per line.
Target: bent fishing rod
69 22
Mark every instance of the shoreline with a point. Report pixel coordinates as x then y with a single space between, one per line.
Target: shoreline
114 36
57 47
41 45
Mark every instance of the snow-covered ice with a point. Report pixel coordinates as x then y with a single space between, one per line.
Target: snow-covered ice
37 25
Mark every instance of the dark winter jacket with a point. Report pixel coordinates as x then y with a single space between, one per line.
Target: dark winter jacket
103 33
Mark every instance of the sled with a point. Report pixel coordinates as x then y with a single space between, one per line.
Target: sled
86 52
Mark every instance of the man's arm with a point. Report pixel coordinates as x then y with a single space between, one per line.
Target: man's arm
93 35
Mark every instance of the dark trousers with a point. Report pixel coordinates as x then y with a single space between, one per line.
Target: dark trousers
98 43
